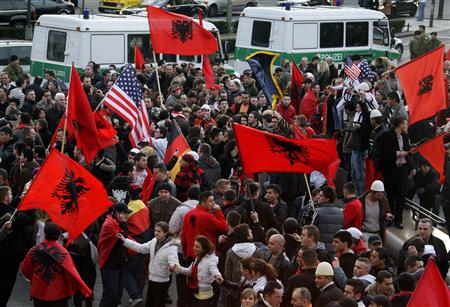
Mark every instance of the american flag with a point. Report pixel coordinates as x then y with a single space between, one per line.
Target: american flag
366 71
126 100
351 70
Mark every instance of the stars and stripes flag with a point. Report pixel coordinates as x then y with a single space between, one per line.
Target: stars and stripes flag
125 98
351 70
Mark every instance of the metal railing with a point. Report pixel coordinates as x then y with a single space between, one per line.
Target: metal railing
419 212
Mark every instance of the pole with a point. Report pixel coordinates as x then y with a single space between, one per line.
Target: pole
229 15
441 9
433 4
66 115
307 187
157 75
28 30
12 216
247 191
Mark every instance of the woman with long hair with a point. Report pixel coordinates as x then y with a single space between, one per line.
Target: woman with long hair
202 272
262 272
163 259
188 176
236 289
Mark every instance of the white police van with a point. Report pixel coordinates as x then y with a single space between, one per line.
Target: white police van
326 31
60 40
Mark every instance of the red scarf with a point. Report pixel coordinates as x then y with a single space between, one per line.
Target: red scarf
193 278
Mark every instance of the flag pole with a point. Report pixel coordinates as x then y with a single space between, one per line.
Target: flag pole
12 216
157 74
66 116
307 186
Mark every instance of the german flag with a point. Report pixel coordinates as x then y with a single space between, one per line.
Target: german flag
138 220
175 141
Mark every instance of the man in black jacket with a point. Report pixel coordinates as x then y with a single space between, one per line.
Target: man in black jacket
13 247
324 281
278 258
395 165
305 276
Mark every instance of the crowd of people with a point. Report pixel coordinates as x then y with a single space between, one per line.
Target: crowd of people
222 238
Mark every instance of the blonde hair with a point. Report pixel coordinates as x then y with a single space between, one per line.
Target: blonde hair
249 292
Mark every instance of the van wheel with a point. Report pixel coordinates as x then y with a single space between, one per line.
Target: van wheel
413 11
399 48
213 11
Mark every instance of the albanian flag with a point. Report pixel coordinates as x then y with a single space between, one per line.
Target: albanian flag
422 80
433 151
106 134
431 289
52 273
138 59
147 186
309 104
80 116
71 196
266 152
261 63
296 85
175 141
178 34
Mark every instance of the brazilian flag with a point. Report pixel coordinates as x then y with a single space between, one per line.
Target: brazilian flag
261 63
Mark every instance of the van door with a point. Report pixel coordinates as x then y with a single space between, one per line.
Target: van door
101 46
277 36
56 54
380 39
73 49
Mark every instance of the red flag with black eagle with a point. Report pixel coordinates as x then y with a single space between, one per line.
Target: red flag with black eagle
70 132
433 151
147 186
138 59
422 81
178 34
296 85
68 193
266 152
175 141
206 65
52 273
80 116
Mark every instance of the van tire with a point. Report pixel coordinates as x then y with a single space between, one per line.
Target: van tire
18 26
213 11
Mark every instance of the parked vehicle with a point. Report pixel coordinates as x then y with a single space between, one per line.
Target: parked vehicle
13 13
216 7
309 31
60 40
53 7
404 7
21 48
183 7
114 6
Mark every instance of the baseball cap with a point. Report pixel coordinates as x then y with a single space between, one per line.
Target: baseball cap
375 239
236 74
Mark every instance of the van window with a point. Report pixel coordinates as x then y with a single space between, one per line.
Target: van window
101 44
144 44
23 52
56 45
305 36
381 33
356 34
261 33
331 35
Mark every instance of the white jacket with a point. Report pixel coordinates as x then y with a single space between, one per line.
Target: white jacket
160 262
206 271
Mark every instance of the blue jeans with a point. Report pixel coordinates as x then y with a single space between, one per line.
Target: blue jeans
421 14
112 280
358 171
134 279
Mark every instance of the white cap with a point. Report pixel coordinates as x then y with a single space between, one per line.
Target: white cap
236 74
377 186
324 269
135 151
206 107
355 232
309 76
364 87
193 154
375 113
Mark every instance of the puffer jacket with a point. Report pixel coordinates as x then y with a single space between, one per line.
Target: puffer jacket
207 269
211 172
160 260
329 219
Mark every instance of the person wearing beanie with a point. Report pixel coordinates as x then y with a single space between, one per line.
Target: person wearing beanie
14 70
376 211
324 282
163 206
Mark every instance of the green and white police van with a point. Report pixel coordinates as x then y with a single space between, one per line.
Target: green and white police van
60 40
326 31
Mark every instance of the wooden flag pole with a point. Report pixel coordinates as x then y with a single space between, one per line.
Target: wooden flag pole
157 76
66 115
307 186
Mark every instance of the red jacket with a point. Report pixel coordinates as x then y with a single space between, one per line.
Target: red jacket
353 215
287 112
52 273
199 221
